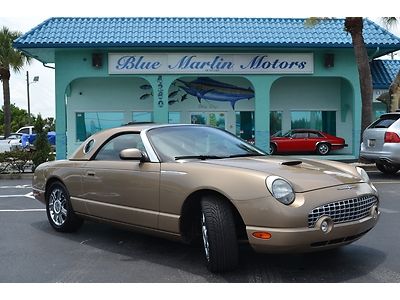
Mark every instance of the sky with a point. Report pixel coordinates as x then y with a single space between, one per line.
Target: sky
42 93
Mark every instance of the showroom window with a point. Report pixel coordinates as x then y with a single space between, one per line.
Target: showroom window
215 119
275 122
174 117
318 120
142 116
88 123
245 125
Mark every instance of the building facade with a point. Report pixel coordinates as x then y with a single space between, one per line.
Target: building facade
252 77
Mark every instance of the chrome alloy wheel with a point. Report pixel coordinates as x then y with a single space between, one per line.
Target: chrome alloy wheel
58 207
323 149
205 237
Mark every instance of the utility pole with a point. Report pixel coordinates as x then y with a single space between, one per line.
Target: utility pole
35 79
29 103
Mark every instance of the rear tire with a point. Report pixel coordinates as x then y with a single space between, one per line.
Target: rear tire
59 210
386 168
219 235
323 148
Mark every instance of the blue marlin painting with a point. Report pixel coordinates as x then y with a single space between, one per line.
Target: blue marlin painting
210 89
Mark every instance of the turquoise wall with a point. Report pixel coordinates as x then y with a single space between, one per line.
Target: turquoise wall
82 87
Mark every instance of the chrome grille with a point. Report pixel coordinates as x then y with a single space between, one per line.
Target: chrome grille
343 211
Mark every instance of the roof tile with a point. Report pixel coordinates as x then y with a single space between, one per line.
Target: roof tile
264 32
383 72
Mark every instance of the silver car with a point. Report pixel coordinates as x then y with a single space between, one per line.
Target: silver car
381 143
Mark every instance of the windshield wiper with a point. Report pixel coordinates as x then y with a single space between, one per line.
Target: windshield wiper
202 157
246 155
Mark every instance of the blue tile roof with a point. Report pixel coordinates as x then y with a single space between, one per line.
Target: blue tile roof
207 32
383 72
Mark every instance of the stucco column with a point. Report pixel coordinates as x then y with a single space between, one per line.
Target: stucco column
160 84
61 121
262 86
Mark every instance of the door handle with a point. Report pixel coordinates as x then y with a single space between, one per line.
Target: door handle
90 173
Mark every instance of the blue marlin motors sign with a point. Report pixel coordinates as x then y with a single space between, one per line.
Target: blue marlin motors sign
209 63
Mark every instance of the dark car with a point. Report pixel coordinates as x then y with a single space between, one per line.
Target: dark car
305 140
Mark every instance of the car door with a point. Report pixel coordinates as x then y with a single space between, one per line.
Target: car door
298 141
285 143
122 190
311 141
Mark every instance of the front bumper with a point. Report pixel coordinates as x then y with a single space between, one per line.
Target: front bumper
310 239
39 195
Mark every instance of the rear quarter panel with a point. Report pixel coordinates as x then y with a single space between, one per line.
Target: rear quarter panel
67 172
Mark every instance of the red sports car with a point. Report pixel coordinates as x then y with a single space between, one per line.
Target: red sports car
305 140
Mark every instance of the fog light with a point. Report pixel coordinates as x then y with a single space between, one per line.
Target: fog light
325 224
374 212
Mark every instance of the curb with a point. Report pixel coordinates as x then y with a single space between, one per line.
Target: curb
12 176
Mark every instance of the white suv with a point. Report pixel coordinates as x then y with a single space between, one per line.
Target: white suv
381 143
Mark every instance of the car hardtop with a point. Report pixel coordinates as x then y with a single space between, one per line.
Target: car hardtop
98 139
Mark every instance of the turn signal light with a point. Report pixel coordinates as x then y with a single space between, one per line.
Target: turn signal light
262 235
391 137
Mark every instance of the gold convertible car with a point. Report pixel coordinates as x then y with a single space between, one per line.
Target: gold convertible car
201 184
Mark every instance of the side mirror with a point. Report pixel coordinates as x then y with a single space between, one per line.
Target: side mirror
132 154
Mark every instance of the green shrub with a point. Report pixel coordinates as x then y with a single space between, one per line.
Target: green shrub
42 152
14 161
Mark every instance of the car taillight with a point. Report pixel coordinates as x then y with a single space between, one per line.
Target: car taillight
391 137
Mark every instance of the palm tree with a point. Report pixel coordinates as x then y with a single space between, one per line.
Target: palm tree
394 89
354 26
9 59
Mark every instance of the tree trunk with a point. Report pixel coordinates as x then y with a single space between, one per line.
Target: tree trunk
394 93
5 78
354 25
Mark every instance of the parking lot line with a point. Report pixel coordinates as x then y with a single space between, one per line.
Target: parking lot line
29 195
23 210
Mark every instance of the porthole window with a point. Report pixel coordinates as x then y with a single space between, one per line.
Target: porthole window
88 147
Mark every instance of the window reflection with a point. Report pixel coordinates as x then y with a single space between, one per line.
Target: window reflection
88 123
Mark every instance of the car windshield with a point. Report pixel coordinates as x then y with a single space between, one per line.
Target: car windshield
174 143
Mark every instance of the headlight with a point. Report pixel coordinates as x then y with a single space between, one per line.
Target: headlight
280 189
363 174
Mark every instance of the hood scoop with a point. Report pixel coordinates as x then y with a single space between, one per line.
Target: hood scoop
292 163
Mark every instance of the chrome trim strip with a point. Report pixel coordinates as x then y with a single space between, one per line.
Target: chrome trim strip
149 149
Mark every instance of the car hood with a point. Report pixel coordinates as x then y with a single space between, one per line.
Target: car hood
304 174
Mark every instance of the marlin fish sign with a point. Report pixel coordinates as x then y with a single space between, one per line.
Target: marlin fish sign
209 89
210 63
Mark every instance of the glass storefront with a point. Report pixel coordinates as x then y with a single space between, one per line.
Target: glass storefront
275 122
318 120
88 123
142 116
215 119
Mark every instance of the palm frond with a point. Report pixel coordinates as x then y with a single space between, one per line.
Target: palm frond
390 22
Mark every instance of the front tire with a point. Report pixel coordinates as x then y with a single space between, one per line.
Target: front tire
386 168
59 209
219 235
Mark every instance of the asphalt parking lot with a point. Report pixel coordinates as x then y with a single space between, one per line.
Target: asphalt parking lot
31 251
